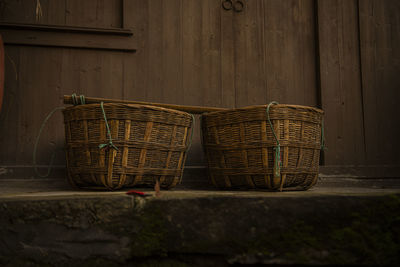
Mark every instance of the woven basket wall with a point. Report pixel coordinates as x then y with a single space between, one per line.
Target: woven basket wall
239 146
151 142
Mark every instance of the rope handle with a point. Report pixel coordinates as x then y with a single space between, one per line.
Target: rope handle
75 101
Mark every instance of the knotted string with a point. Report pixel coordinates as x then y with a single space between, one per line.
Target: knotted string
110 143
277 148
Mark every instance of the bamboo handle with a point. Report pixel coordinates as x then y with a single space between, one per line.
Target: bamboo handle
190 109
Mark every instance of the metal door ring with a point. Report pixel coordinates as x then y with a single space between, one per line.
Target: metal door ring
227 4
238 6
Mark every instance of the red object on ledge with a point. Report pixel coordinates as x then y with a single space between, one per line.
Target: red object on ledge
137 193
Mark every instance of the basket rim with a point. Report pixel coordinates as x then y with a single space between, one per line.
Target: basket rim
265 106
122 105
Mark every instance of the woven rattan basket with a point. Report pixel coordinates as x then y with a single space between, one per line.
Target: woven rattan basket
147 143
242 151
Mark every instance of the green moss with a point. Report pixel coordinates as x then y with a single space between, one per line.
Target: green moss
151 237
372 236
292 244
369 236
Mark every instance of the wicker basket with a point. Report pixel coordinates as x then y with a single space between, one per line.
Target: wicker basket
242 150
147 143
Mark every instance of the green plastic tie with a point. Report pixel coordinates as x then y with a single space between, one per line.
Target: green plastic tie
110 143
82 97
277 148
75 100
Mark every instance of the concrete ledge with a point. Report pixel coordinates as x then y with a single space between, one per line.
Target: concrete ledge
50 224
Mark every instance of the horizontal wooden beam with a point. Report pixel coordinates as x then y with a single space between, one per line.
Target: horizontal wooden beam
40 27
191 109
68 37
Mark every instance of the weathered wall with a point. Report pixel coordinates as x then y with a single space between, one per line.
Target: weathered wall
341 55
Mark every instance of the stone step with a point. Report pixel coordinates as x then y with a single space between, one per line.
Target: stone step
340 221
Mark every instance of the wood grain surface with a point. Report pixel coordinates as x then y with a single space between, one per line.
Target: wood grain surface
340 54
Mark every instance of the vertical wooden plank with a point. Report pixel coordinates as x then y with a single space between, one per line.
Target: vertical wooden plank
92 73
380 55
240 62
227 59
81 13
109 67
205 67
53 12
202 62
290 52
70 72
38 94
94 13
136 65
193 65
109 14
155 75
192 56
11 106
341 95
172 52
249 54
18 11
211 54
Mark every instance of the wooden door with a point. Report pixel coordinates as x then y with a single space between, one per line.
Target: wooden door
267 52
187 52
274 53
